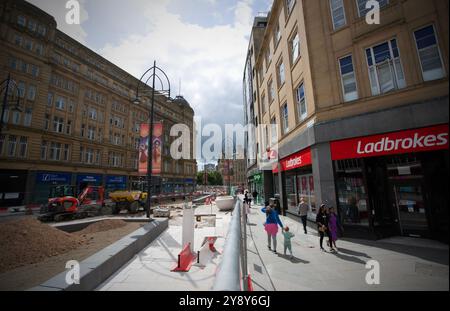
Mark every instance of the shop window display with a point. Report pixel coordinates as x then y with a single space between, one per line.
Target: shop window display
291 192
351 192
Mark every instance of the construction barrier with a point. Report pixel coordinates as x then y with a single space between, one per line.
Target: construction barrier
249 283
207 251
185 259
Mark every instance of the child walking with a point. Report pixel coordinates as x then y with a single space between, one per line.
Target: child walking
287 240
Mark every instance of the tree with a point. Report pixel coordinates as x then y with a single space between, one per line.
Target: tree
214 178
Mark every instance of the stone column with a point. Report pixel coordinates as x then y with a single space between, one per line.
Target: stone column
322 167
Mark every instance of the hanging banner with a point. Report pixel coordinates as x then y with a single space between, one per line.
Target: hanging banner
156 149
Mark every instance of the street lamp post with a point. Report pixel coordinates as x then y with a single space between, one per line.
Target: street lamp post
9 84
165 91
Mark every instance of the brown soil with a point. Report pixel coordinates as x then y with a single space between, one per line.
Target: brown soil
32 252
27 241
103 225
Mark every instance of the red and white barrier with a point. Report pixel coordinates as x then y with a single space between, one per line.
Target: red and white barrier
185 260
207 251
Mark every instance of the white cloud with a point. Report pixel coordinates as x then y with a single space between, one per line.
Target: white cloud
209 61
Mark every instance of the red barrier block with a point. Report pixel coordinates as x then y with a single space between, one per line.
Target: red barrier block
185 260
211 241
249 283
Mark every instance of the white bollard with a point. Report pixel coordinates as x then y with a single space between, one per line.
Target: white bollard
188 226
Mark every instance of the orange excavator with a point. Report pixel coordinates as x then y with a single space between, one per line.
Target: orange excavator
64 205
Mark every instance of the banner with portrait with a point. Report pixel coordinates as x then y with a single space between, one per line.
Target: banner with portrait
156 149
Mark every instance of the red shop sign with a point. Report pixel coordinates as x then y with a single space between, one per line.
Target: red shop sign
300 159
423 139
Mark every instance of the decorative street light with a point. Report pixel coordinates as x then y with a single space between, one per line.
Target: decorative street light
6 86
154 73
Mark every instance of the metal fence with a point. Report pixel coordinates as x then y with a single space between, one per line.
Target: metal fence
232 274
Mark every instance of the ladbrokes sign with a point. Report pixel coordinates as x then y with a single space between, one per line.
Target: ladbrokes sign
300 159
424 139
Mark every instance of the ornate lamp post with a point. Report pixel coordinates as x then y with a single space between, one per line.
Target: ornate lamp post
154 74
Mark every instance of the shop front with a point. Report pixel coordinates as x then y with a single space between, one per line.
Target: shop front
115 183
13 189
45 181
189 185
84 180
394 183
297 182
256 183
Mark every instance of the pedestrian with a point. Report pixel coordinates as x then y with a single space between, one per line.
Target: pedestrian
322 222
287 240
303 213
255 195
271 225
333 224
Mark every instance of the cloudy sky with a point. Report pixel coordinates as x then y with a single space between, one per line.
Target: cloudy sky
201 43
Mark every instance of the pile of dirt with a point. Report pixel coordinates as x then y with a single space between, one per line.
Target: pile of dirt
28 241
103 225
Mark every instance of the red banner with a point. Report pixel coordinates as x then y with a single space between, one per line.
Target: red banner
300 159
156 149
418 140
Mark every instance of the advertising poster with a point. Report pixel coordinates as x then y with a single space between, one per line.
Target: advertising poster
156 149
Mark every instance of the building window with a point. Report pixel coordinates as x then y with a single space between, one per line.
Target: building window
429 54
6 115
32 25
34 71
274 131
31 92
83 128
362 11
28 117
24 67
91 133
2 142
42 30
295 48
98 156
18 40
58 125
385 69
12 143
89 156
21 87
351 192
285 118
301 102
15 117
47 122
290 5
268 57
66 152
337 13
39 49
50 99
28 45
348 78
44 150
60 103
69 127
281 74
55 151
277 35
23 145
93 113
21 20
263 103
271 92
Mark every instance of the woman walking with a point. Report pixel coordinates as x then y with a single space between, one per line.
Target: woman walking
333 228
271 225
322 224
